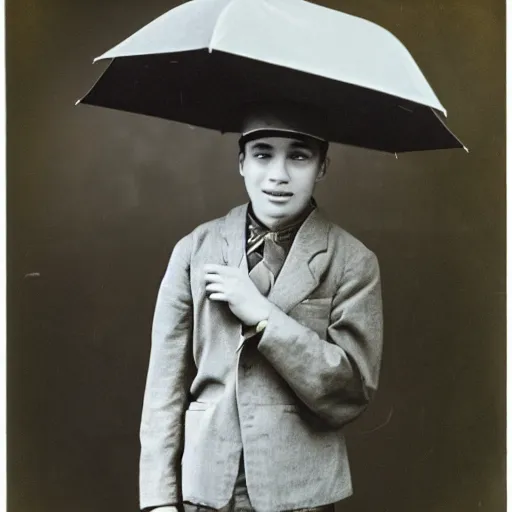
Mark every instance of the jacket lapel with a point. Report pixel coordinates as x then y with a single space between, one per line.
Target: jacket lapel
297 278
234 237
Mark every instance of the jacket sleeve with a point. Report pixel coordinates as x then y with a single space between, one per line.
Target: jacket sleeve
335 377
166 393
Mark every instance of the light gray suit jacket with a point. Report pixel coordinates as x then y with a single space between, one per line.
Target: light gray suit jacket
284 399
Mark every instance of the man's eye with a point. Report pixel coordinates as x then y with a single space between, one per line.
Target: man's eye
300 156
261 155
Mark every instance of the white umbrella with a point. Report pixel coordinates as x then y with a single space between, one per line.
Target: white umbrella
201 63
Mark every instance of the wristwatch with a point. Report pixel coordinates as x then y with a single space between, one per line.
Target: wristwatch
250 332
260 326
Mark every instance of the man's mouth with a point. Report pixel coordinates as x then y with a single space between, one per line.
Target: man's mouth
275 193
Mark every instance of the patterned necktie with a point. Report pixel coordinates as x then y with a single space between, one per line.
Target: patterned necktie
267 251
265 271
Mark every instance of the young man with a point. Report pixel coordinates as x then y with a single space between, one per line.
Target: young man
266 342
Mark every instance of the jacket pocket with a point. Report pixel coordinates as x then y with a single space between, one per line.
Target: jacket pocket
314 314
317 302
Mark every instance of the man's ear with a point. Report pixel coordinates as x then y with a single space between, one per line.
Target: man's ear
241 158
323 169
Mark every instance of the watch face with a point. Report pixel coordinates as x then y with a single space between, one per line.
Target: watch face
261 325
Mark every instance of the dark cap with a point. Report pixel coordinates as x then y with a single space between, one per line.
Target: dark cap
292 120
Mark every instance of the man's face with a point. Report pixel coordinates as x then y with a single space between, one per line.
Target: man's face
280 176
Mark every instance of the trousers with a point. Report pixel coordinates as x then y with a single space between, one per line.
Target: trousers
240 501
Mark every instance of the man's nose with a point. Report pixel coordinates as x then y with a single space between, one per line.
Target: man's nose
278 172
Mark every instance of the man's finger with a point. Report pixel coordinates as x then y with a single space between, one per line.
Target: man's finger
218 297
213 268
215 287
213 278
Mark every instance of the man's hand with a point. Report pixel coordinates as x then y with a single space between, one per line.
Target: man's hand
232 285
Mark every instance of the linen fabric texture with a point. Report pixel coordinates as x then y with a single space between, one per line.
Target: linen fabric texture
284 399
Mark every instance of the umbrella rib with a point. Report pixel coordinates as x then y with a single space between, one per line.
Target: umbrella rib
217 23
448 130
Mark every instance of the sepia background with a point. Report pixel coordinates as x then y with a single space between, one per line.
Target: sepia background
98 198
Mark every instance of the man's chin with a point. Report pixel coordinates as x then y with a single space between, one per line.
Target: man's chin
279 217
277 212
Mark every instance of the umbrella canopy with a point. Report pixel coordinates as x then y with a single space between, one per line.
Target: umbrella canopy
203 62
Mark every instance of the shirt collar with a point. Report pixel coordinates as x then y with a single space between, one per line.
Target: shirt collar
255 226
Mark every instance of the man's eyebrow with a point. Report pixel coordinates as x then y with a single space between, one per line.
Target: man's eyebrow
300 144
262 146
